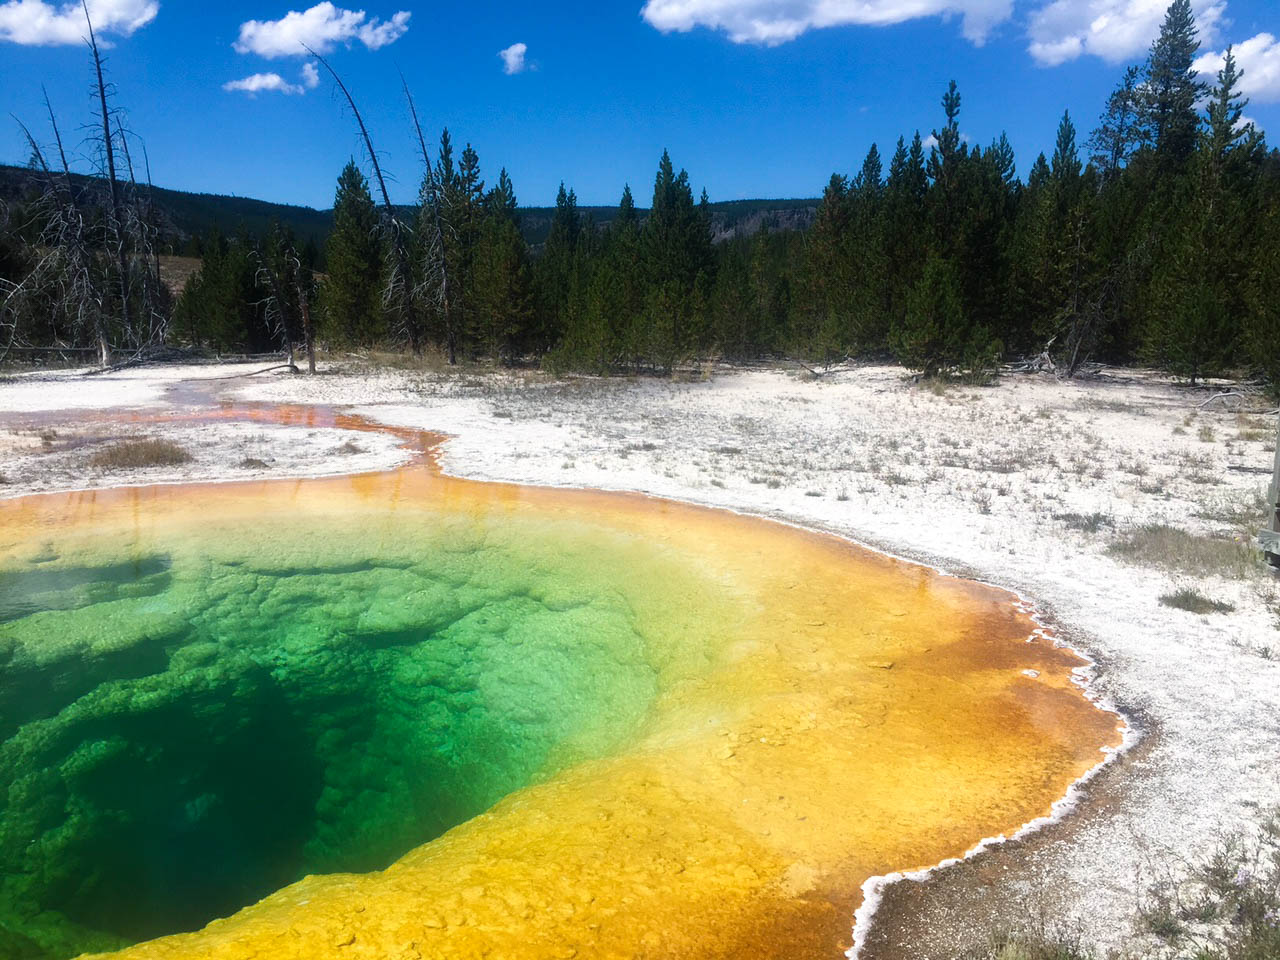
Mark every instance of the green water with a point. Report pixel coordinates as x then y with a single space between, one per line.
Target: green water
188 723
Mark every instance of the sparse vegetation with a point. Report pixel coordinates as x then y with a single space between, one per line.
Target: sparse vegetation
253 463
139 455
1227 908
1171 548
1042 942
349 448
1085 523
1193 601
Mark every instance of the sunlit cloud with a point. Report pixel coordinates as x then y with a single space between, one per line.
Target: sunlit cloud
321 28
772 22
1113 30
1259 60
36 23
513 58
263 83
274 83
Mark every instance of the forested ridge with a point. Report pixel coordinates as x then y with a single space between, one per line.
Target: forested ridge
1154 238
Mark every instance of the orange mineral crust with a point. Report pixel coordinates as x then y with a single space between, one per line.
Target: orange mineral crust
822 714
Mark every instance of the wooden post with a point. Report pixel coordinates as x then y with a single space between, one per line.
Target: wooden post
1269 537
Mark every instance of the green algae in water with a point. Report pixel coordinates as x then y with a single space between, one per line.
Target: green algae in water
189 724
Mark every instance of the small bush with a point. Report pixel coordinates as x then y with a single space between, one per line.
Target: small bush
1193 601
253 463
139 454
349 448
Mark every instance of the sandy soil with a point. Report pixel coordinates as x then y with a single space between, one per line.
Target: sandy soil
1031 485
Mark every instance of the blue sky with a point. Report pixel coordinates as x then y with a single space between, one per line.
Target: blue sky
756 98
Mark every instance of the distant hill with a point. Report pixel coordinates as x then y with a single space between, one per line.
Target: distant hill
729 218
185 215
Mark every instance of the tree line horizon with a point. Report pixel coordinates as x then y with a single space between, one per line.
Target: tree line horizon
1160 245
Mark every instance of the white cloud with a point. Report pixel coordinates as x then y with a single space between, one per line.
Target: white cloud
274 83
1115 30
771 22
263 83
929 142
513 58
37 23
1258 58
320 28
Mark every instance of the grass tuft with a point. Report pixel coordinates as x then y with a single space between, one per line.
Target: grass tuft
1085 522
1193 601
139 454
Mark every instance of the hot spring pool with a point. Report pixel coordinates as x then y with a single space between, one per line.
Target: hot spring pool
404 715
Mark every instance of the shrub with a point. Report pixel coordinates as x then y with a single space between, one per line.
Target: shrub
139 454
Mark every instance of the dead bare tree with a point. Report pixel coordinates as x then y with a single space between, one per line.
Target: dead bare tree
279 283
114 223
141 239
397 288
66 273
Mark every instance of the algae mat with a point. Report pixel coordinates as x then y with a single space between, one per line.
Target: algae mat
402 715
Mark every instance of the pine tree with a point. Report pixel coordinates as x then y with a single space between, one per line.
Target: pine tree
355 260
1118 133
928 337
679 262
502 283
1231 141
557 273
945 159
1066 165
1200 286
627 217
1171 89
828 284
905 236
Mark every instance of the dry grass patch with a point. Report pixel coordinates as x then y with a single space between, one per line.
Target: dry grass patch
1245 512
1085 522
140 454
1193 601
1171 548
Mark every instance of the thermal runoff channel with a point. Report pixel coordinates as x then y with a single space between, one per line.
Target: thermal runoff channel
415 716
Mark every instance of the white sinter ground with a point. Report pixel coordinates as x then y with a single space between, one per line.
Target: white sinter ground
1025 485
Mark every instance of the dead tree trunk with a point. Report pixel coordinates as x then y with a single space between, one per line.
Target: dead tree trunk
122 263
308 334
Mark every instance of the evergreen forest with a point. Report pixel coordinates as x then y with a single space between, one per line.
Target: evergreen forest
1150 235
